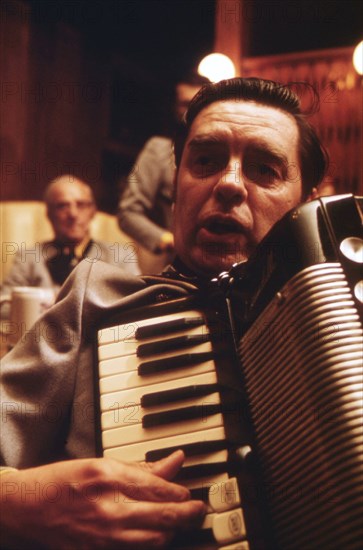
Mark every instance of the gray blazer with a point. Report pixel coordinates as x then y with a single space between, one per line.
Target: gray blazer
47 380
145 208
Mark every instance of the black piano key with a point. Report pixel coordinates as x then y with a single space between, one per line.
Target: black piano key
178 415
190 449
177 394
167 327
193 539
171 344
202 470
200 493
176 362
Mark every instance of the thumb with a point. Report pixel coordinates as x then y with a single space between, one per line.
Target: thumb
167 467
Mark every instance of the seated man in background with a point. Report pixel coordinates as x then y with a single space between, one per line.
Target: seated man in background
232 185
70 208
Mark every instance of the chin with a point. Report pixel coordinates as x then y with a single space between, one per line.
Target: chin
214 264
75 239
216 261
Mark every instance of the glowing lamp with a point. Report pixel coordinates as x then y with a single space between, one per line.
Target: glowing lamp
216 67
358 58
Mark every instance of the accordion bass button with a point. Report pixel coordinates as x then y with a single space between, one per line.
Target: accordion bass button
224 496
352 248
358 291
229 526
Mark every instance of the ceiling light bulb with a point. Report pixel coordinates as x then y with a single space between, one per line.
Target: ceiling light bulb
358 58
216 67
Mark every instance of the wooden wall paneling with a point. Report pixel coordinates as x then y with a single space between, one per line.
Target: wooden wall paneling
230 31
339 117
14 76
41 57
54 103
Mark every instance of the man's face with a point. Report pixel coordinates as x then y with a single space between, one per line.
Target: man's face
238 175
70 210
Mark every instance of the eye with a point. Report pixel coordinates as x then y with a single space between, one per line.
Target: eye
61 206
262 173
203 160
265 170
204 164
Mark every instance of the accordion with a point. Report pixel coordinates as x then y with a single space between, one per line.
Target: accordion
257 376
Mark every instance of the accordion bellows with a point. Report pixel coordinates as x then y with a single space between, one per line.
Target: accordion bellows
302 362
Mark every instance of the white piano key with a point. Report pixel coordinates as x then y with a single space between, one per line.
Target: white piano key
206 481
208 458
129 347
117 365
229 526
117 333
134 395
116 349
208 521
133 413
136 452
133 380
129 363
127 331
225 496
136 433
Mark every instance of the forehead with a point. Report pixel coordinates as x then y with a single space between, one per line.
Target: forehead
67 191
240 120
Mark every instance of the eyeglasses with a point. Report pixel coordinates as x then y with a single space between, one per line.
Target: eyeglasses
66 206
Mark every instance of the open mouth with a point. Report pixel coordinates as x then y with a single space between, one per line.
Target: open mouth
221 227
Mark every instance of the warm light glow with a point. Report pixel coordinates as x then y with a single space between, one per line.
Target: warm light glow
216 67
358 58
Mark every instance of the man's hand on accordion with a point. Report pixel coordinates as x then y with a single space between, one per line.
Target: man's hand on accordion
97 503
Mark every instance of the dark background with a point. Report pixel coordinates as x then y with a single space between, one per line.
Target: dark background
120 60
170 37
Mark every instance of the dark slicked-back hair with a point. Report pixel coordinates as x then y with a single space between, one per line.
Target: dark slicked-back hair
313 156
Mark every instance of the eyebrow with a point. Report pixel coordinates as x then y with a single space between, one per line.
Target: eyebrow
255 145
205 141
273 154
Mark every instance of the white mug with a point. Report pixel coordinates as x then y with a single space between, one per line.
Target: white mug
27 304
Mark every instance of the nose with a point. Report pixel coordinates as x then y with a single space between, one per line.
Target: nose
73 210
230 187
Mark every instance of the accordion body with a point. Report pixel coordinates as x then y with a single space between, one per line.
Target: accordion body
258 378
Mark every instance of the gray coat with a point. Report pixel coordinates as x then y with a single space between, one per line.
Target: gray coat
47 380
145 208
29 267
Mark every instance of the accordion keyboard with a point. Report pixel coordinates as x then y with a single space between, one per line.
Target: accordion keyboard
159 391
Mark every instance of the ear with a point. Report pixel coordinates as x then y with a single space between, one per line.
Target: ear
314 194
175 178
49 215
92 211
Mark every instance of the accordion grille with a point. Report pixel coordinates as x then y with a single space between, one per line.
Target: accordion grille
302 363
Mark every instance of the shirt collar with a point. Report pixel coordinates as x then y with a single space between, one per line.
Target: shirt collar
178 270
78 251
